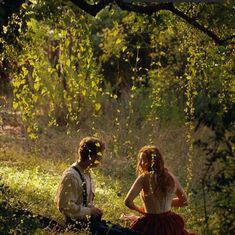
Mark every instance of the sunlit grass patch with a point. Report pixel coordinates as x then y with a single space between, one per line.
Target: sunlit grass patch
33 188
110 197
34 180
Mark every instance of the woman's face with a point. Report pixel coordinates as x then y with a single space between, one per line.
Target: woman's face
144 162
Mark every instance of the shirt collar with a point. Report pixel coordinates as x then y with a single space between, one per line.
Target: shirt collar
87 171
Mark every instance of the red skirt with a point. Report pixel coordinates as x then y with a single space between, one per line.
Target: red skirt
167 223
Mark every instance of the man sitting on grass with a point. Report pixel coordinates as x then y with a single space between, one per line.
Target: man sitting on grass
75 195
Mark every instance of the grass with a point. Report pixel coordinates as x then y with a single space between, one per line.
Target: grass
32 170
33 182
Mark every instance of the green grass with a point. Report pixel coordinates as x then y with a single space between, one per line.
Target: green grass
33 178
33 182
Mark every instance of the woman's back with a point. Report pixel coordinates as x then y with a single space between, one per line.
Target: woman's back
159 190
154 200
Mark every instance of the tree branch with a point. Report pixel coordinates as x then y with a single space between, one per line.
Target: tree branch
199 26
149 10
92 9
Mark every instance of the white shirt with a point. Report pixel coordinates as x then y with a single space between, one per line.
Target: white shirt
153 203
69 198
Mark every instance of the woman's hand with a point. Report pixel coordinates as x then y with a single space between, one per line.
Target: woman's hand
129 217
141 210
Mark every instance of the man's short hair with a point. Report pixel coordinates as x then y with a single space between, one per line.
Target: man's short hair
90 146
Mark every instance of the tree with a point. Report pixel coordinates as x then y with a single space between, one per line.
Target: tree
68 66
9 7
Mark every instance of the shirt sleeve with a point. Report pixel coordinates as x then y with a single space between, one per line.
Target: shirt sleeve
68 195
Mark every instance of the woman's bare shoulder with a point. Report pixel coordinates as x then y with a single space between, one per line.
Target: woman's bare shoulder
177 183
171 174
146 175
144 178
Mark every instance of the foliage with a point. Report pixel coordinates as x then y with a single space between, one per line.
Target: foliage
55 68
126 75
215 109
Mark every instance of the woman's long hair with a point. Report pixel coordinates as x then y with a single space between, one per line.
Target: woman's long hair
163 181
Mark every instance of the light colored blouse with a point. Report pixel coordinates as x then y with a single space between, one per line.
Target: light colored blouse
154 203
69 198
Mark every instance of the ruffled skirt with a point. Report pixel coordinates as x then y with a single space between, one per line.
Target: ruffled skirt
167 223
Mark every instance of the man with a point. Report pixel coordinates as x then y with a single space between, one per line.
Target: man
75 194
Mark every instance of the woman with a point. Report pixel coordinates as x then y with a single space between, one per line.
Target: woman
159 190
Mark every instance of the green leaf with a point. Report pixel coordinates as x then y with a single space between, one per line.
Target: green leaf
97 106
68 62
15 105
36 86
118 41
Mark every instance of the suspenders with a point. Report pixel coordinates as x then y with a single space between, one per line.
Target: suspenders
84 191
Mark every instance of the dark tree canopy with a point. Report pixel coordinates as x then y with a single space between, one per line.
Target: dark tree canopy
7 8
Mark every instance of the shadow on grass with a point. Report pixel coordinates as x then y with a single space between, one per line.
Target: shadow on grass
16 220
20 221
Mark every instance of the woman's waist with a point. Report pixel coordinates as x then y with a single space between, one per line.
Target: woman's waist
157 209
158 214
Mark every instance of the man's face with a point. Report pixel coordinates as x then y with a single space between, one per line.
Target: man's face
96 159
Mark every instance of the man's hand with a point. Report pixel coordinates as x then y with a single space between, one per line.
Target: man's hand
96 212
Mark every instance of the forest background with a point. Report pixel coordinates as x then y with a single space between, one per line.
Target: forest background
131 74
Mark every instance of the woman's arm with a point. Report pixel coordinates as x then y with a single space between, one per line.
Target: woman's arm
181 199
133 193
